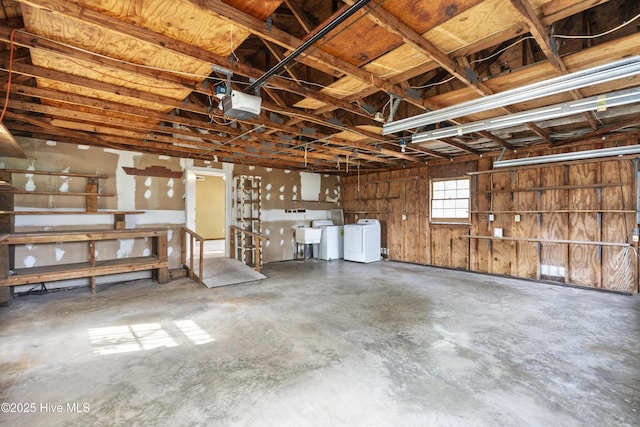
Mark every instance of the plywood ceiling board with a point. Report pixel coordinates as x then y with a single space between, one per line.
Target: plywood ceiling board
99 94
258 9
112 44
479 22
107 74
182 20
360 41
481 19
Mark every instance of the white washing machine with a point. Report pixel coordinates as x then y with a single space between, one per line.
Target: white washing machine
331 242
362 241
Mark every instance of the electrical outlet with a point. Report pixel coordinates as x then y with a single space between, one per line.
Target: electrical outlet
404 217
491 217
516 218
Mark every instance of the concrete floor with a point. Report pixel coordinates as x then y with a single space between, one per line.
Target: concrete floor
324 343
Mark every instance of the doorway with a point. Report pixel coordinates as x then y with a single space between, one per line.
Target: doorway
208 207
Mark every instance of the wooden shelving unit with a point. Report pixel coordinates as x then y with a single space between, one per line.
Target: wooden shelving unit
91 194
156 261
567 223
247 209
10 276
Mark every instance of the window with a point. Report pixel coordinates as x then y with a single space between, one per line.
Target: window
450 200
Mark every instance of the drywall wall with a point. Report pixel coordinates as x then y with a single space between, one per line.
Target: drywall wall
158 199
291 199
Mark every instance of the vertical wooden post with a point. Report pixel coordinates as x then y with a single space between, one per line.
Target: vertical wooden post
183 247
92 199
232 243
201 262
160 251
258 256
6 251
119 221
92 262
191 257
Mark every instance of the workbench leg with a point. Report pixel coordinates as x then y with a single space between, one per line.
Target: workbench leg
92 281
6 295
160 244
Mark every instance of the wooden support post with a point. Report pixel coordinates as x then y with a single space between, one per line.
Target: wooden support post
92 262
191 249
160 250
92 199
201 262
119 221
258 257
6 251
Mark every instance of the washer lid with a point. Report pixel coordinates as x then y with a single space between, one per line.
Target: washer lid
368 221
321 223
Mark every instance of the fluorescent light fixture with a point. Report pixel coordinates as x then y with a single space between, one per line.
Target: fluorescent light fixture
563 157
601 74
599 103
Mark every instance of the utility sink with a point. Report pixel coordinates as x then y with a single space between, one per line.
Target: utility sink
308 235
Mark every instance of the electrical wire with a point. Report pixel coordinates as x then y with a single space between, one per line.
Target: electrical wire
595 36
502 50
233 52
6 100
433 84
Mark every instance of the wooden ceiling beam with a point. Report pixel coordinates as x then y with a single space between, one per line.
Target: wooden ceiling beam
548 47
275 35
599 132
300 16
132 93
174 147
458 69
151 118
194 52
392 24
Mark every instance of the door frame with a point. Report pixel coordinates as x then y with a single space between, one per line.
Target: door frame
190 197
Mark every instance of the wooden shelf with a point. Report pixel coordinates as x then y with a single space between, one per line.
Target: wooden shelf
557 211
158 261
71 174
71 212
50 273
369 212
561 241
62 193
557 187
377 198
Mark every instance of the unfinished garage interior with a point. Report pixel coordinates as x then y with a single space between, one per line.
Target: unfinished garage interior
165 166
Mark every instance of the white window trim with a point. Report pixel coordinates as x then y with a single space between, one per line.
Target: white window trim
449 221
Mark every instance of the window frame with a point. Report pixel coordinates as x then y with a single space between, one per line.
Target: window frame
433 191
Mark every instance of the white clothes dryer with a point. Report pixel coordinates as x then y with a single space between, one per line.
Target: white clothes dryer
362 241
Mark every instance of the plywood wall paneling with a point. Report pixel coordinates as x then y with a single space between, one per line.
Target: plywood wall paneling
527 260
423 216
480 248
459 248
440 246
395 232
553 225
480 204
584 260
410 226
560 210
502 251
619 265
